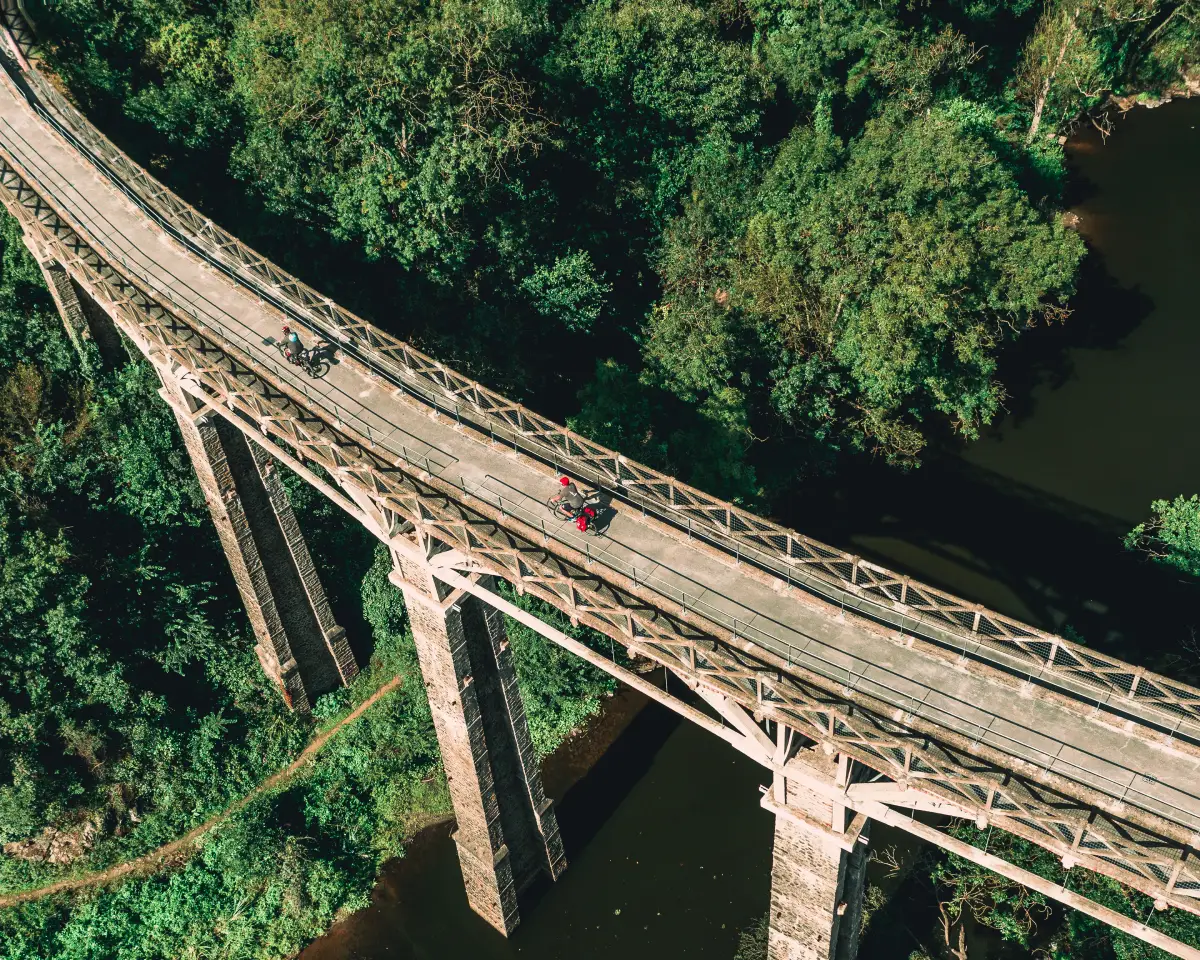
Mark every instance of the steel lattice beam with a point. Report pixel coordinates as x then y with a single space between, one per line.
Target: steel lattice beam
1140 849
928 614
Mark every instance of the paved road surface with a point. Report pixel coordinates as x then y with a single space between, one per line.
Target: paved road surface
1032 728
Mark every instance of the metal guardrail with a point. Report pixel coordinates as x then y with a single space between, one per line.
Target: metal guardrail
1151 856
837 576
423 458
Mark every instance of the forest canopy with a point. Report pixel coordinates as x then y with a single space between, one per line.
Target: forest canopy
816 222
733 238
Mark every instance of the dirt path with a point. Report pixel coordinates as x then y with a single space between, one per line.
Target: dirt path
178 850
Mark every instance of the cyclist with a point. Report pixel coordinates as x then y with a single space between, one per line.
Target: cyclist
572 499
293 349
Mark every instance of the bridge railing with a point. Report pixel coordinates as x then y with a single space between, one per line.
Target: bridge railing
840 577
1142 847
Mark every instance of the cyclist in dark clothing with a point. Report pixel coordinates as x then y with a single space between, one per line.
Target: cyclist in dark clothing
293 349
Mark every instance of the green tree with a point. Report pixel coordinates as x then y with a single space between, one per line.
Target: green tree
569 291
1172 535
1083 50
964 887
649 82
391 121
870 284
160 62
753 940
844 60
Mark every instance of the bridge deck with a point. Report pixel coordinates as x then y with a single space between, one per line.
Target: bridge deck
1034 728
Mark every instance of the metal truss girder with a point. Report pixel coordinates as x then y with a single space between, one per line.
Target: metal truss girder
1033 804
868 806
898 795
740 718
936 616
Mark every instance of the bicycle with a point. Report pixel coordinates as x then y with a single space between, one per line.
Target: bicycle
560 510
309 360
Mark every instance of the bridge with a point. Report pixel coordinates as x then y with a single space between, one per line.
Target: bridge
866 695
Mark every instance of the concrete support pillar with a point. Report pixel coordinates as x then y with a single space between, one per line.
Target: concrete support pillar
507 833
85 322
299 645
818 869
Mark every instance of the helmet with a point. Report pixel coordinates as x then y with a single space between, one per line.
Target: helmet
564 480
286 328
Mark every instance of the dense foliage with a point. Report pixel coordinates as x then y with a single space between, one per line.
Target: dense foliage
1172 535
1029 919
813 222
125 663
729 237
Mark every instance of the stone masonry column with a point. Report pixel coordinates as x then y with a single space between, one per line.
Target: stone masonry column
300 646
85 322
507 833
816 882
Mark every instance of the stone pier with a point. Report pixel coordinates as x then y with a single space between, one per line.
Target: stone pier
507 833
86 323
300 645
818 868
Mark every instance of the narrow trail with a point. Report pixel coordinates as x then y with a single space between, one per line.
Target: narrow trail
181 848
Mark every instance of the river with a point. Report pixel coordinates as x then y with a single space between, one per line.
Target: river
669 848
1029 518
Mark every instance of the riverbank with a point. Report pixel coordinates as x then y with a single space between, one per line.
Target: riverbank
1029 519
431 846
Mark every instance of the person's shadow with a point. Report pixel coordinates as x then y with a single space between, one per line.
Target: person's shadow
325 352
601 502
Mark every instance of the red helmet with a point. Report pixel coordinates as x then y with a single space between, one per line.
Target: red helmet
286 328
564 480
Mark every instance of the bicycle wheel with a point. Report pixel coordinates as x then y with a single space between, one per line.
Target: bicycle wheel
318 368
552 505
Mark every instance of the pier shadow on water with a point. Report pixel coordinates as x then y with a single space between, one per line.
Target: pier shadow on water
670 855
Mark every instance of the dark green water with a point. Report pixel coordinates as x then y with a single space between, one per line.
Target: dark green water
670 856
670 851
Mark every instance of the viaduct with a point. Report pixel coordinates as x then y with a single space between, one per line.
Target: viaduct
866 695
